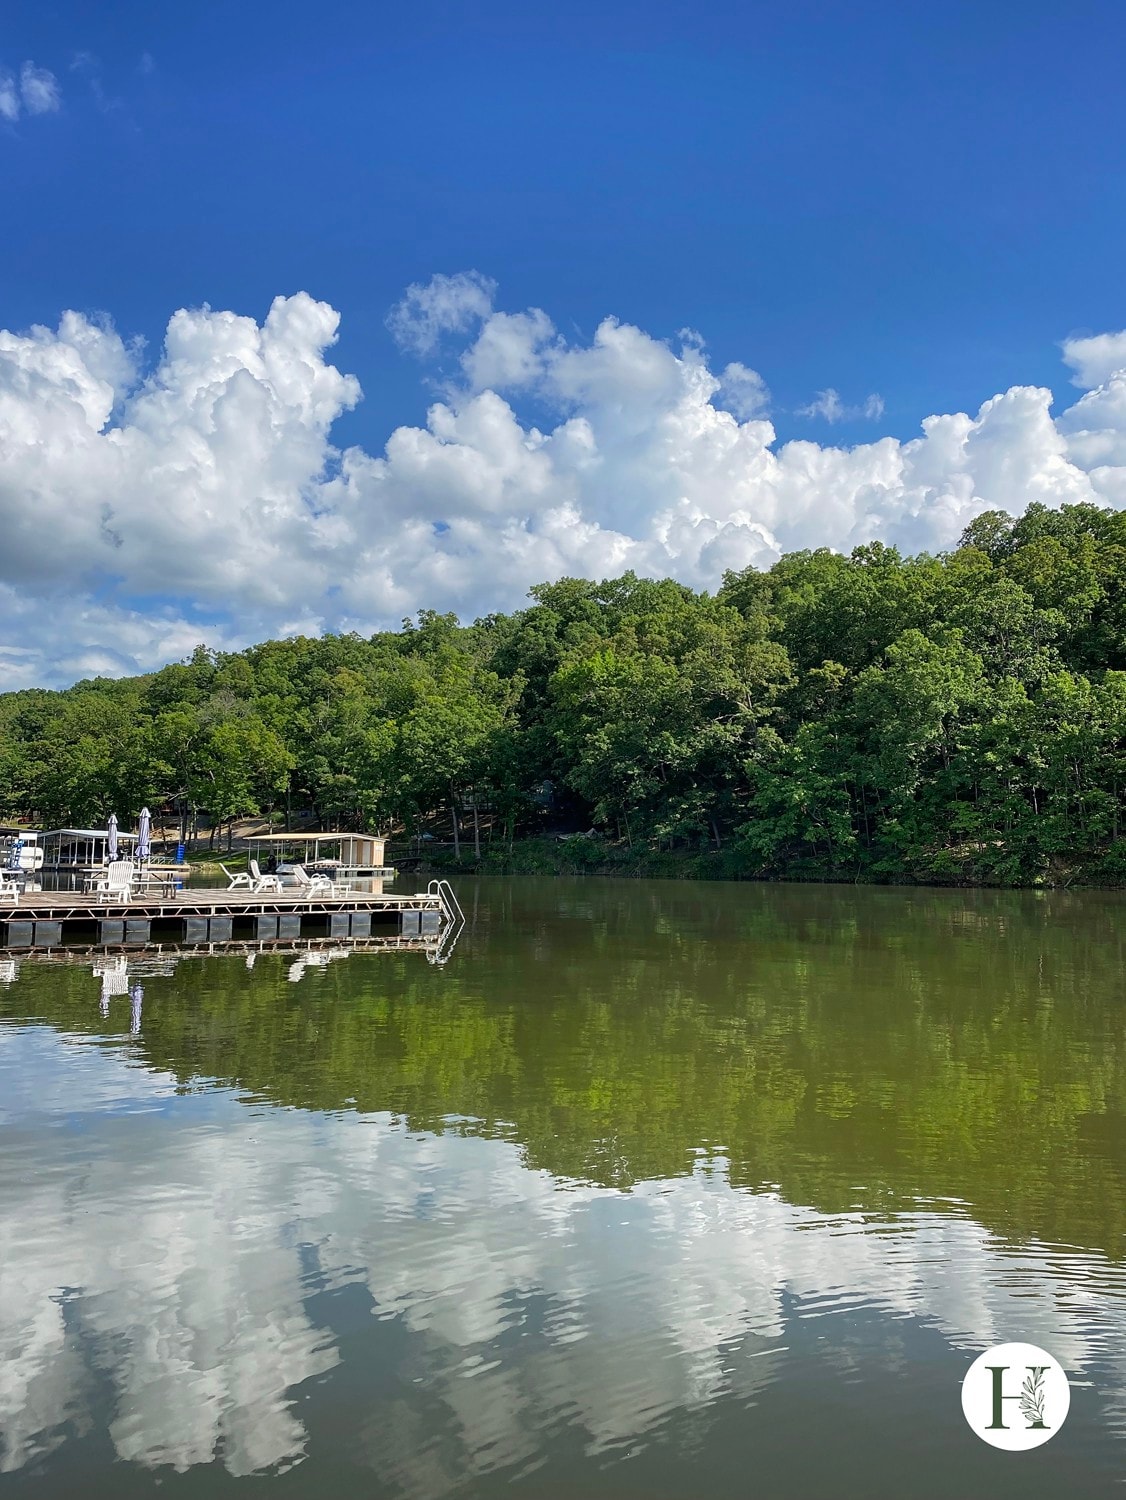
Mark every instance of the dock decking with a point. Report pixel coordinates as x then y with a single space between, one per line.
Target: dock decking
50 918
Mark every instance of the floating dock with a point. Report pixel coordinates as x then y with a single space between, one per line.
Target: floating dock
50 919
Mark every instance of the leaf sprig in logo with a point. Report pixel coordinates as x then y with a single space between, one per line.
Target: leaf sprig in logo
1032 1397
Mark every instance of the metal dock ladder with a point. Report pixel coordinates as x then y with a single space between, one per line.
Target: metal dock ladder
450 907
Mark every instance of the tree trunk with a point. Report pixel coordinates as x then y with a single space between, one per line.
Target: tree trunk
476 827
457 831
715 831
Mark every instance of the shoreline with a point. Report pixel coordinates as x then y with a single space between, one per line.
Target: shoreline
583 856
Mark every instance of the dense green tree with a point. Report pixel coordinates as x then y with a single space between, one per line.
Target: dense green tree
873 716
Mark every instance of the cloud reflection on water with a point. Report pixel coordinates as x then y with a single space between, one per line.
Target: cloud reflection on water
178 1250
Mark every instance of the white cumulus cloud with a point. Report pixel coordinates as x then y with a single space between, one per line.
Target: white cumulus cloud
1096 359
35 92
828 405
39 90
743 391
9 97
445 304
148 503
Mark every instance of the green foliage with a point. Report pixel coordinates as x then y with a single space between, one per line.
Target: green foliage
872 717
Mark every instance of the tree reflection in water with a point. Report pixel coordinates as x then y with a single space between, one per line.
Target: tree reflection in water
601 1171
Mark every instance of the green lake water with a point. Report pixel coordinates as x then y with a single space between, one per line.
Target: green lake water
654 1189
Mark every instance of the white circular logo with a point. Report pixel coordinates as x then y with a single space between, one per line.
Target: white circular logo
1015 1396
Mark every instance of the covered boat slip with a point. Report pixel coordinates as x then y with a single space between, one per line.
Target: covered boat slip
50 918
81 850
344 856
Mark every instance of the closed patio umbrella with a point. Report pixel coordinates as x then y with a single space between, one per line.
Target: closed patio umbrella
144 836
111 837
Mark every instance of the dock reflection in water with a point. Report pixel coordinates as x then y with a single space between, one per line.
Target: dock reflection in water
651 1191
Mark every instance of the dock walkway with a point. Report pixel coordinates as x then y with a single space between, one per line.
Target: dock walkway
50 918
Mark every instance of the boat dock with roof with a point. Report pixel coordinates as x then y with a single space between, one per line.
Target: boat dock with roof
343 856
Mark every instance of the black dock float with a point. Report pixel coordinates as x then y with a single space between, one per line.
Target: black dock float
49 919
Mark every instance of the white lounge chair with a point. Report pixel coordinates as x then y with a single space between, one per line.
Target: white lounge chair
9 888
260 882
236 882
312 885
117 882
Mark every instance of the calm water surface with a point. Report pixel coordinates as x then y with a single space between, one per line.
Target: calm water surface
654 1190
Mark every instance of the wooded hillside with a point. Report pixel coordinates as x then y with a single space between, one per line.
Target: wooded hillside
960 717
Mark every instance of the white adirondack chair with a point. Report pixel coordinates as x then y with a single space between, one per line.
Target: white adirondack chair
117 882
312 885
9 888
236 882
260 882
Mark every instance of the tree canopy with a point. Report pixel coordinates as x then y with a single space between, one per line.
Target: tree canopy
871 716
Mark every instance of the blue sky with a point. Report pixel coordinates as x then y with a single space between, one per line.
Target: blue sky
918 203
